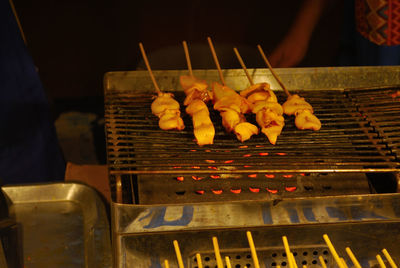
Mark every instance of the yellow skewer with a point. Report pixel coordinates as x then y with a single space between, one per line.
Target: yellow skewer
380 261
178 254
166 264
322 261
287 250
253 249
293 260
228 262
198 258
217 253
389 258
333 251
353 258
214 54
344 263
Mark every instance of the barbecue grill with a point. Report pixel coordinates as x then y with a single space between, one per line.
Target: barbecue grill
156 174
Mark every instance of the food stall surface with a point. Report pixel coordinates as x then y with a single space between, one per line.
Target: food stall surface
62 225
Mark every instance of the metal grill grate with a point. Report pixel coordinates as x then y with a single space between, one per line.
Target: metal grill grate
359 135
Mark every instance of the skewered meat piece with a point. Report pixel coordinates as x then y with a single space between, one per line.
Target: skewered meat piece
232 106
305 119
267 109
167 110
196 96
204 131
194 88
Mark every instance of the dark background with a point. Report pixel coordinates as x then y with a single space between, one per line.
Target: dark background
74 43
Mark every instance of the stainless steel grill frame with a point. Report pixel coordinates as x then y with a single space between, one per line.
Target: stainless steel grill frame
148 165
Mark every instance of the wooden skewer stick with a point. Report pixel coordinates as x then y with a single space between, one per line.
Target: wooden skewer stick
293 260
189 64
253 249
322 261
272 71
333 251
146 61
353 258
198 258
228 262
380 261
216 60
217 253
166 264
344 262
389 258
287 250
243 66
178 254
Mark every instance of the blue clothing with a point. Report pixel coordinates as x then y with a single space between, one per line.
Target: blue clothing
29 150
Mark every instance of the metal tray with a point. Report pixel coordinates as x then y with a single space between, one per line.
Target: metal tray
63 225
143 234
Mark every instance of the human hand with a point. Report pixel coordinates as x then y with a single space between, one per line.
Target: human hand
290 51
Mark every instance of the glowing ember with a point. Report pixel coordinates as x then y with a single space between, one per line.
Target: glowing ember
288 176
196 178
210 167
252 175
210 161
270 176
254 190
246 166
272 191
196 167
236 191
243 146
193 150
216 191
177 167
291 188
215 176
207 151
180 178
246 155
281 153
263 154
302 174
228 161
259 146
200 192
396 94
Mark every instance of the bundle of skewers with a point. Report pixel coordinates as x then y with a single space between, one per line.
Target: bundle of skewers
291 260
258 99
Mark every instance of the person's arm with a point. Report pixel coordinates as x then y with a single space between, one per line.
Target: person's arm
292 49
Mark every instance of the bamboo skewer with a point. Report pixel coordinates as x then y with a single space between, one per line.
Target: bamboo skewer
198 258
216 61
380 261
389 258
243 66
293 260
344 262
166 264
287 250
272 71
178 254
217 253
333 251
146 61
189 64
253 249
322 261
228 262
353 258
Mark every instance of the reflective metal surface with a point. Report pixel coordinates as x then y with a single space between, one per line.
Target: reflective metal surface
143 235
64 225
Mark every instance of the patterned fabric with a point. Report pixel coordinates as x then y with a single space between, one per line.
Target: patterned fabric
379 21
